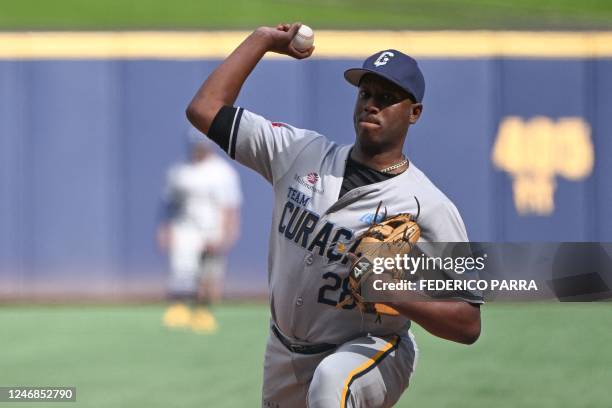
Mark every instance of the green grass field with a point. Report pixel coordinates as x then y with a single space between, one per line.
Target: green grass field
340 14
528 356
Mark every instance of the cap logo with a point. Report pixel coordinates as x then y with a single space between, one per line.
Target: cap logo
383 58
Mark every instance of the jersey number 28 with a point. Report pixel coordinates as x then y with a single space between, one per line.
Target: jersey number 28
333 287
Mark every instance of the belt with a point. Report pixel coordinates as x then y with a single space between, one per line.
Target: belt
300 348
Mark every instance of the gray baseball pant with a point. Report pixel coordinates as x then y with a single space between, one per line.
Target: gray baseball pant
368 371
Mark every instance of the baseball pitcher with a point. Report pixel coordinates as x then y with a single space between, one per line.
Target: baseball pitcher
327 346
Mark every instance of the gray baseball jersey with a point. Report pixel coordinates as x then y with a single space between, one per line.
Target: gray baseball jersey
312 229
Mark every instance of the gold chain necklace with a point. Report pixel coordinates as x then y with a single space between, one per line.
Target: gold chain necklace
394 166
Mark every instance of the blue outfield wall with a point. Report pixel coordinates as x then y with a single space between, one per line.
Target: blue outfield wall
84 146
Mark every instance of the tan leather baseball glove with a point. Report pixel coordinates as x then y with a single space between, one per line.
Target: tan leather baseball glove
393 235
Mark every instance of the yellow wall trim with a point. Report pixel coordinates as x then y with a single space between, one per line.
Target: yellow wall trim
329 44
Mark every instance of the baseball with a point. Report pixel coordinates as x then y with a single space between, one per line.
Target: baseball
304 38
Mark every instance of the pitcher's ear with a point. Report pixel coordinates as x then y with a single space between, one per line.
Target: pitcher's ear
415 112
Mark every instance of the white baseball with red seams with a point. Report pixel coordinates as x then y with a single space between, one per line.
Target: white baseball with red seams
304 39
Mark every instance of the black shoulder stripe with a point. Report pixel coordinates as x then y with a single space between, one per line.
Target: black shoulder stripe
235 126
221 128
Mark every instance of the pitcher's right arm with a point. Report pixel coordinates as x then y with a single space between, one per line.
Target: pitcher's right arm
222 87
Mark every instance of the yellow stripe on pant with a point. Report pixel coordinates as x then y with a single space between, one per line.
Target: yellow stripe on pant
366 367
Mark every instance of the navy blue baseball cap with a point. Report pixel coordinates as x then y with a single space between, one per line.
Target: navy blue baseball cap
394 66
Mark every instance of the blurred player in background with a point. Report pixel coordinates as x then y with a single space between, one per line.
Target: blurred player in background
202 221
